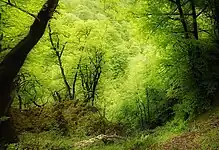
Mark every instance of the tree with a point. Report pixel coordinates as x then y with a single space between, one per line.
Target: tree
71 93
58 52
13 61
90 73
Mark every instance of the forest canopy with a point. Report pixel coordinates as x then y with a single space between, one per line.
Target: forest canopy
136 63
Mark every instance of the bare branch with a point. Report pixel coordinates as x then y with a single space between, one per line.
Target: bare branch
58 42
35 103
50 38
21 9
166 14
201 11
63 48
59 53
172 1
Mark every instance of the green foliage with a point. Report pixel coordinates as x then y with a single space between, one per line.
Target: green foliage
45 140
130 59
4 118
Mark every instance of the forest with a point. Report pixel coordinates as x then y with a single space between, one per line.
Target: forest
109 74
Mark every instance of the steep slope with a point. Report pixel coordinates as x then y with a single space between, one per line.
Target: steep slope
202 133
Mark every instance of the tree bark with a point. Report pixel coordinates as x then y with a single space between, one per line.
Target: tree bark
14 60
194 16
182 18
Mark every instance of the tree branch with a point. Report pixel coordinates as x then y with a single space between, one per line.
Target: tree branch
201 11
63 48
21 9
172 1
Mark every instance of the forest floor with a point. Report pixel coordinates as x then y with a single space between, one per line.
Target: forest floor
201 133
50 131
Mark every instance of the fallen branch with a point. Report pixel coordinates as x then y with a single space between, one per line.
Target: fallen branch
92 141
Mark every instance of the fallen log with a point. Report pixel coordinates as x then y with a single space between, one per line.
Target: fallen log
106 139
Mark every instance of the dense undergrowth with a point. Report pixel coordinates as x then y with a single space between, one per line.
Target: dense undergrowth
59 128
60 124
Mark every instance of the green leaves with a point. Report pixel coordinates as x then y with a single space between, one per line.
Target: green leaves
4 118
143 47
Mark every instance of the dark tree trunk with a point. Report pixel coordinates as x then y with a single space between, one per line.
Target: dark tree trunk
194 16
14 60
20 101
64 77
195 51
90 76
59 53
74 81
148 104
140 111
216 13
182 18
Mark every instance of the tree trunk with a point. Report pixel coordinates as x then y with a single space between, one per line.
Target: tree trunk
194 17
59 53
148 104
74 81
14 60
216 13
64 77
182 18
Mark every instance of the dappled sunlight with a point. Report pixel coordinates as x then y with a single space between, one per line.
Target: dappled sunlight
109 74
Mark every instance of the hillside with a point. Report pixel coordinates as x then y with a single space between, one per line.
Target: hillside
200 134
